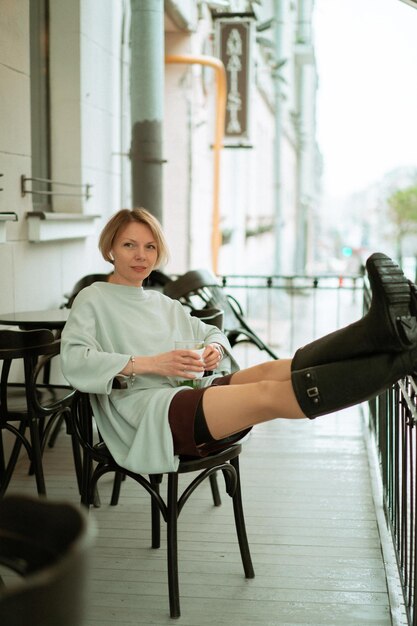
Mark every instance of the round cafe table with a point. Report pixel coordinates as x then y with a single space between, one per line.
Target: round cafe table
52 319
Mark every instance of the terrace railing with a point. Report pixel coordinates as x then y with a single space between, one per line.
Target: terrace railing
392 421
289 311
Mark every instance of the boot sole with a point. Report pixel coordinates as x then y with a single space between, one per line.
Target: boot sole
389 280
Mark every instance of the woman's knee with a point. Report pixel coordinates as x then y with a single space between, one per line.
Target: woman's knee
276 371
279 398
267 371
268 392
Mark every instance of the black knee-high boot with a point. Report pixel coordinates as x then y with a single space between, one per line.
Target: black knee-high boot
334 386
389 326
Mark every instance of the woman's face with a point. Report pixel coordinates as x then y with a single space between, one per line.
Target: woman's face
135 253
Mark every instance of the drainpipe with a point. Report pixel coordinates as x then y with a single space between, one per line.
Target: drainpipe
278 36
303 37
220 73
146 101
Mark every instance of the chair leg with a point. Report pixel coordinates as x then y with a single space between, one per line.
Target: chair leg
117 483
35 441
76 448
2 459
155 480
95 498
215 489
240 525
7 472
76 453
172 544
40 428
86 497
55 431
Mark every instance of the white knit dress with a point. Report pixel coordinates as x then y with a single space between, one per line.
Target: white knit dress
107 324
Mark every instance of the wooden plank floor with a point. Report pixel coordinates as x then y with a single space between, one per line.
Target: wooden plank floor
311 524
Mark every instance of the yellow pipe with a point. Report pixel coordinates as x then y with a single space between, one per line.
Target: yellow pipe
220 74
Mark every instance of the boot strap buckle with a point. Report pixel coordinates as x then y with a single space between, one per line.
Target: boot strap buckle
313 392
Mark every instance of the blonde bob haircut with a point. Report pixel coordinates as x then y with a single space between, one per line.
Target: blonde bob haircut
124 217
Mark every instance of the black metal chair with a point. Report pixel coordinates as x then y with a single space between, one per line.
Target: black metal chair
200 289
85 281
156 279
29 405
98 461
46 544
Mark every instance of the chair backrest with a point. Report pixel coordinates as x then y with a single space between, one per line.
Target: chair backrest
20 342
157 279
47 544
30 346
209 316
27 345
200 289
85 281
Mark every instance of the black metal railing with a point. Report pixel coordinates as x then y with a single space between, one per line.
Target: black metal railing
392 420
288 311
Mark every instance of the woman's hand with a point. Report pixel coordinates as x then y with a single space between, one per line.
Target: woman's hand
212 356
177 363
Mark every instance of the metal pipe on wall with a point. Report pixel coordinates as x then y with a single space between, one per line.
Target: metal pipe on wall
303 63
147 89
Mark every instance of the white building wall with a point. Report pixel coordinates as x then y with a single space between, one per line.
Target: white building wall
85 110
91 128
14 139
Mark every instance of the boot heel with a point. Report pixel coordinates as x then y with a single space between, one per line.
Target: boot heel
407 330
392 299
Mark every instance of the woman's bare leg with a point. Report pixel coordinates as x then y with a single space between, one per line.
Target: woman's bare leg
279 370
231 408
266 391
311 392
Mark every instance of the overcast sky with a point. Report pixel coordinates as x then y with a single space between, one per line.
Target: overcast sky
366 54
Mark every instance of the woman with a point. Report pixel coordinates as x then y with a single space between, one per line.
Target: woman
117 328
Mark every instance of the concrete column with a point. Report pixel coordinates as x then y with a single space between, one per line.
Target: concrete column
278 54
302 77
147 103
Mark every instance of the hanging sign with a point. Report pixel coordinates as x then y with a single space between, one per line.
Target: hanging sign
233 36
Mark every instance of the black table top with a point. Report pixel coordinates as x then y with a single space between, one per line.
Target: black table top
53 319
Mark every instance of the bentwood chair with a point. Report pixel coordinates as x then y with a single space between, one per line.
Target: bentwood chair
200 289
44 550
29 409
82 283
98 461
156 279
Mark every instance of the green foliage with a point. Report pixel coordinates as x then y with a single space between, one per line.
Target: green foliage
402 205
403 209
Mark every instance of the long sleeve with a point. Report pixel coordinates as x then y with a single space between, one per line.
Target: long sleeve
86 365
